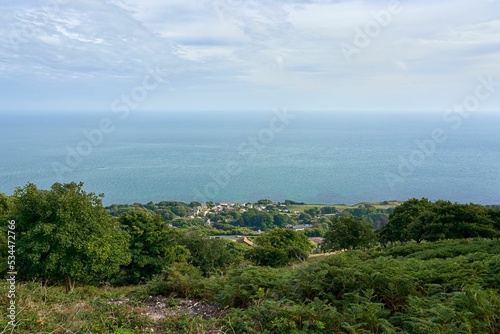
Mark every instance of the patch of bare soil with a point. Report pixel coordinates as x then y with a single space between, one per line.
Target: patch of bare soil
326 254
159 307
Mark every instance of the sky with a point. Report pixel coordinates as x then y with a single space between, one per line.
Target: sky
327 55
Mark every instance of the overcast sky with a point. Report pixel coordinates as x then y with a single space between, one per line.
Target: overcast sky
247 54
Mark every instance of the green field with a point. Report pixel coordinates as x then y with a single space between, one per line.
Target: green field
377 205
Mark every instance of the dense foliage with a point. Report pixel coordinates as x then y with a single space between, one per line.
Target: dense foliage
420 220
64 234
212 255
376 217
443 287
348 233
279 247
153 246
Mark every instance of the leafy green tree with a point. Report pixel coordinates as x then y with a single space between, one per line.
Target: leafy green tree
268 256
194 204
257 220
6 207
313 212
281 220
178 208
64 234
401 220
289 202
348 233
445 220
153 245
296 254
237 250
378 217
283 238
423 220
235 215
494 214
279 247
210 255
187 222
328 210
304 217
314 232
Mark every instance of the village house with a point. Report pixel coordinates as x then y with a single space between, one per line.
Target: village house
245 241
298 227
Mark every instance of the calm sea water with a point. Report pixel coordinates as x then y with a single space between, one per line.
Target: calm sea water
315 158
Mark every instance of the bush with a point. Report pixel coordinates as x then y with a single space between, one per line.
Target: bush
286 317
252 285
183 280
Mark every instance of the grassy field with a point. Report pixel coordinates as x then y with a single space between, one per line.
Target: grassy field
301 208
378 205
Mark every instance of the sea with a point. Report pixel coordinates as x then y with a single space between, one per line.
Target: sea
311 157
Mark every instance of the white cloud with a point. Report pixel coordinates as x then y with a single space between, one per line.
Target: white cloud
50 39
487 33
78 37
